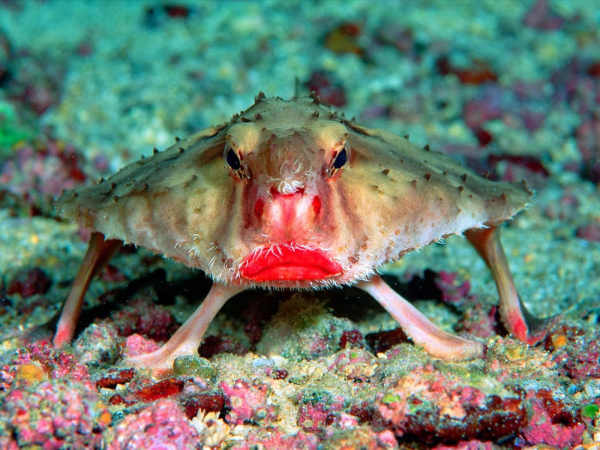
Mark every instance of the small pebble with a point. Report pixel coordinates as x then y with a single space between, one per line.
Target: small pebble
192 365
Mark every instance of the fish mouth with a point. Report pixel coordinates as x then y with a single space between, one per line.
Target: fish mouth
288 263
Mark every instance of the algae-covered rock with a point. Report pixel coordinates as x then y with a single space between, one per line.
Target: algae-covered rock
195 366
303 328
98 345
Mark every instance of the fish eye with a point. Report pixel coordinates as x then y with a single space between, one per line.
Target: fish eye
339 162
340 159
233 160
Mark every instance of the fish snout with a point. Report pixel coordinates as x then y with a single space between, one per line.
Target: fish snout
287 216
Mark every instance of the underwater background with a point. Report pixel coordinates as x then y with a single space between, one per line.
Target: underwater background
510 88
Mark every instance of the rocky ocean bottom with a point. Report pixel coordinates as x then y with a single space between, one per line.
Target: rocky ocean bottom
510 89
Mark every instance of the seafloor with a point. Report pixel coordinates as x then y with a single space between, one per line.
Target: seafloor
510 88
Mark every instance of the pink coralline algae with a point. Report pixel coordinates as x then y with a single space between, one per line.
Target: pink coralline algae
35 80
577 353
588 136
353 339
163 425
432 406
552 423
138 345
453 290
39 173
54 414
479 321
144 317
576 87
30 285
54 364
278 440
248 403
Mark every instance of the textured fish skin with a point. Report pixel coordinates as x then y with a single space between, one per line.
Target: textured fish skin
391 198
290 195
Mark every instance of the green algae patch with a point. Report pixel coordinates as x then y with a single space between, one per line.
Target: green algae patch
192 365
390 398
590 411
11 130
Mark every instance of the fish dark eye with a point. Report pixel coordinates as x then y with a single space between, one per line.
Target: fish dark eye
340 159
339 163
232 160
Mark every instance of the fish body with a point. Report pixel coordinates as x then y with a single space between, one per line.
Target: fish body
288 194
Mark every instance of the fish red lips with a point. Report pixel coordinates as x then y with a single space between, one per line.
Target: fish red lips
289 263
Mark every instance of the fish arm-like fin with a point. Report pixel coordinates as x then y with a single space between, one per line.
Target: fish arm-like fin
99 252
188 337
419 328
518 321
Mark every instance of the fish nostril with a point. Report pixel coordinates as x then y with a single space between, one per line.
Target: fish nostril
275 193
259 207
316 205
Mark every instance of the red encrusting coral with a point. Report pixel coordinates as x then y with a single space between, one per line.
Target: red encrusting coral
363 412
115 377
279 374
161 389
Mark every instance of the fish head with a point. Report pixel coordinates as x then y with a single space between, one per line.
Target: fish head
285 162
